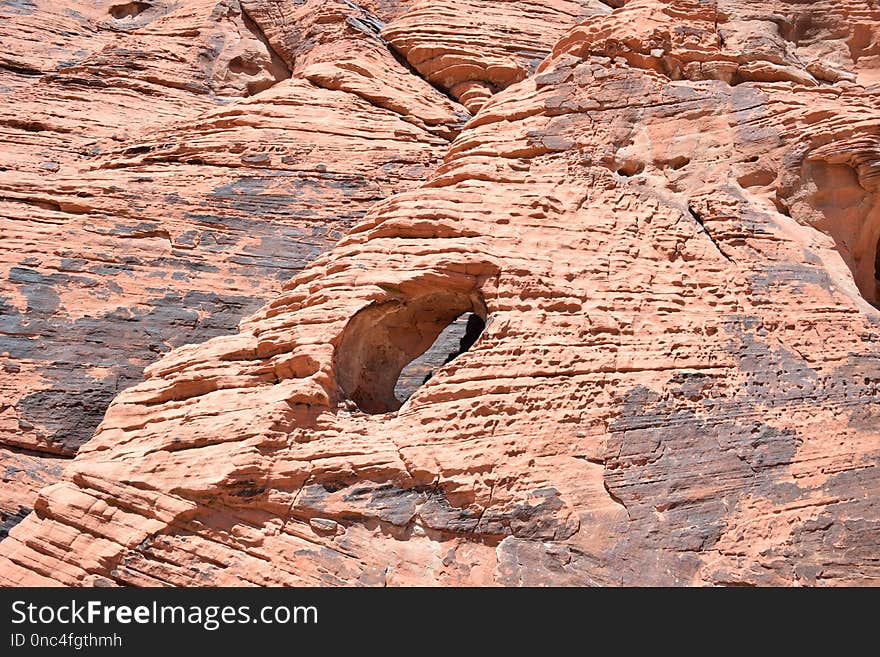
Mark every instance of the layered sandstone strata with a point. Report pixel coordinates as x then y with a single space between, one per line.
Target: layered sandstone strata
163 170
669 228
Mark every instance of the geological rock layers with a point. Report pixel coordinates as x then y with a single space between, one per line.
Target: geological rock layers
229 226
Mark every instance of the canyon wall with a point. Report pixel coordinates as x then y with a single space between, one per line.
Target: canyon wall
229 226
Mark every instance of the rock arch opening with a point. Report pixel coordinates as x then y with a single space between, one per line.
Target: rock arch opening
390 349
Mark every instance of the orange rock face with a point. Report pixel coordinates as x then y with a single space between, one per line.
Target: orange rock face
645 232
161 174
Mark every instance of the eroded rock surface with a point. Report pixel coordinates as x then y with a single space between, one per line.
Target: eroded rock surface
665 212
163 170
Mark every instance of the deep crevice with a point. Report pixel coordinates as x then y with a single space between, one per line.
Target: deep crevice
699 219
283 67
403 61
7 522
39 453
20 70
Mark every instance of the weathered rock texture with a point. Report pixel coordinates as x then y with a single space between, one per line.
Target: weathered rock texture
667 213
161 173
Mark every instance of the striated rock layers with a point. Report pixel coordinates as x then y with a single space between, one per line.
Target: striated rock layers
164 167
657 220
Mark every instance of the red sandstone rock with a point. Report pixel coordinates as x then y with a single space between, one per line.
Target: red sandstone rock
671 230
475 48
160 175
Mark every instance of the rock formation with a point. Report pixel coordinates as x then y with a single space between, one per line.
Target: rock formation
161 173
658 218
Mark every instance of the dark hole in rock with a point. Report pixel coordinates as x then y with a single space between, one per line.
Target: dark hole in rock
453 341
128 10
757 178
241 65
675 163
631 168
384 339
877 262
806 27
